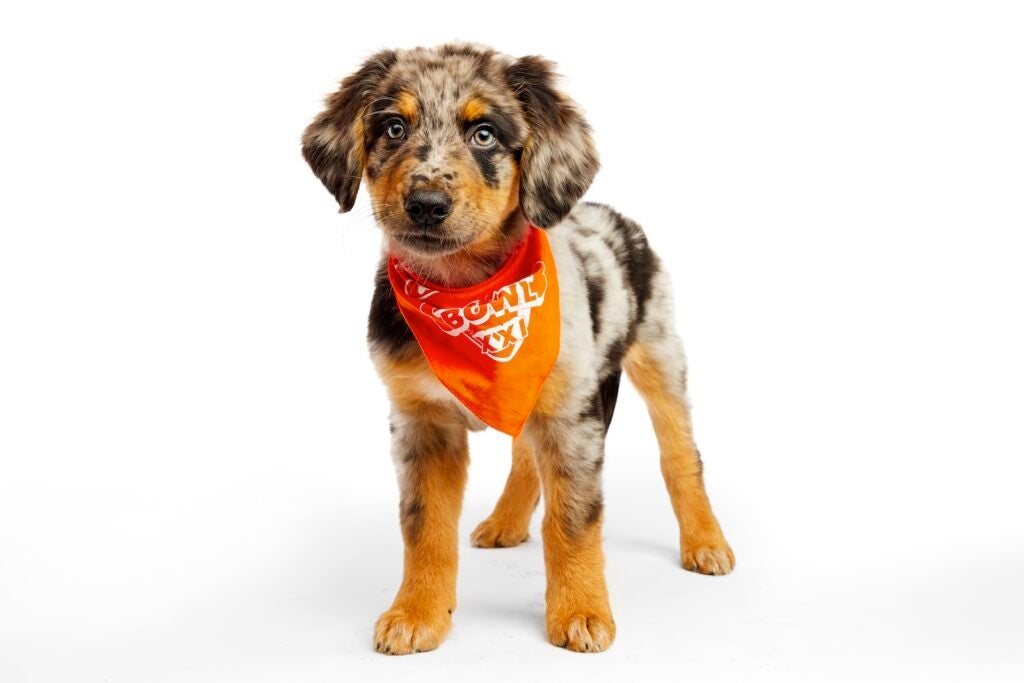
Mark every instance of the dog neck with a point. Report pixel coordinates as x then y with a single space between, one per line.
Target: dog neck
475 262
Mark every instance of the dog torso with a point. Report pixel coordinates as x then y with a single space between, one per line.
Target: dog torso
608 278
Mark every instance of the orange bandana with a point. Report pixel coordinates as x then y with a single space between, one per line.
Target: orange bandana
494 343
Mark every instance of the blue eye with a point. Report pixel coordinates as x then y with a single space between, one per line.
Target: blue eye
395 129
484 136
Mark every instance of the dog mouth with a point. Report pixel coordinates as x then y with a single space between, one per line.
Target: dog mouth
428 241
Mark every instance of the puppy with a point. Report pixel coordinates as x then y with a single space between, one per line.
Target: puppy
465 151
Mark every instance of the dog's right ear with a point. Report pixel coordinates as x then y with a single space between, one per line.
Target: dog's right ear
334 144
559 159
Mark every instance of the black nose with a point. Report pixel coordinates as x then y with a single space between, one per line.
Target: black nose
428 207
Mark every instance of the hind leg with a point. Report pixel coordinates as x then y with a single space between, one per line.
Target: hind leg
509 524
657 368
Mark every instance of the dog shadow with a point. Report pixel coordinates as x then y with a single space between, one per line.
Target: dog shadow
652 549
348 568
345 569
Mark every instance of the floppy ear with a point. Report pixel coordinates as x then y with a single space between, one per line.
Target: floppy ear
559 160
334 144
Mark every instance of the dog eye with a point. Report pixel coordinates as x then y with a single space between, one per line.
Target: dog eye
484 136
395 129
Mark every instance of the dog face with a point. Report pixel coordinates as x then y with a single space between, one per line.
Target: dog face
457 144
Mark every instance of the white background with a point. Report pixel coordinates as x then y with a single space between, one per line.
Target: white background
195 481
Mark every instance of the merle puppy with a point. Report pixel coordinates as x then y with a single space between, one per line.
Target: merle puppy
461 149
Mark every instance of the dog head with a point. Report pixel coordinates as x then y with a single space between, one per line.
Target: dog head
459 146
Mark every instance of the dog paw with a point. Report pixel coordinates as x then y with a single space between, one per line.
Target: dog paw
400 632
496 533
716 559
581 632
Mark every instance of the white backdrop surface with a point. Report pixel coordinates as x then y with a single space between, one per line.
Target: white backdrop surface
194 472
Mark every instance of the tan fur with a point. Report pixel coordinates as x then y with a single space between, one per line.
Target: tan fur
408 107
404 377
489 202
702 546
578 613
501 202
358 130
420 616
433 479
554 392
473 109
388 190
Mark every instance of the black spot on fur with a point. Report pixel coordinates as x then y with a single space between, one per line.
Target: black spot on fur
422 152
558 198
594 510
508 131
601 405
609 391
595 287
387 328
376 121
595 296
593 410
411 511
616 351
485 160
637 258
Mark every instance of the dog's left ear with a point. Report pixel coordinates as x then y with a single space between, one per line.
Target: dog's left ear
559 159
334 144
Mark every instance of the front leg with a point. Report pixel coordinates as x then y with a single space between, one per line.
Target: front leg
569 454
431 458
